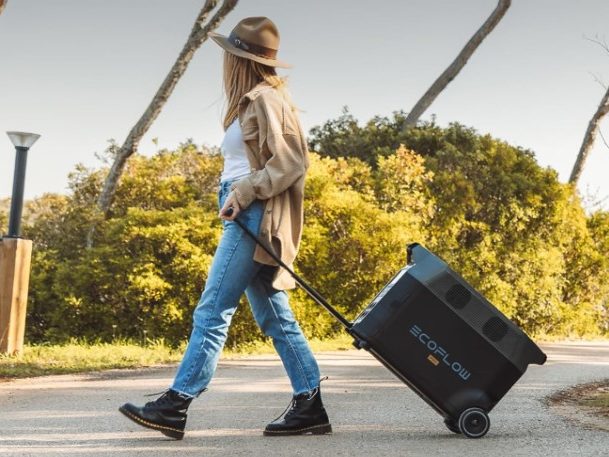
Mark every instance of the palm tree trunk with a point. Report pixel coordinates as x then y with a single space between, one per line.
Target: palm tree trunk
589 137
198 36
455 67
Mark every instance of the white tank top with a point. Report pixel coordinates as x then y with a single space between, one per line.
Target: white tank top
232 148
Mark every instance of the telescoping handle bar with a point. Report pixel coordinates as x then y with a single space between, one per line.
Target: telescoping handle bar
308 289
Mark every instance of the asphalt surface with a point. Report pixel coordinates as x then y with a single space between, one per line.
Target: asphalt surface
372 413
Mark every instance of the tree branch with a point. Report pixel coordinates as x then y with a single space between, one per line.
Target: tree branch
589 137
599 81
457 65
197 37
593 125
602 43
600 132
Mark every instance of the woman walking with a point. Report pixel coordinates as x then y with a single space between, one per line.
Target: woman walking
265 161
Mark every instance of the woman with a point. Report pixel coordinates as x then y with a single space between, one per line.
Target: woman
265 161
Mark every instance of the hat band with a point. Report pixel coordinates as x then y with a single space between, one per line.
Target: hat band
260 51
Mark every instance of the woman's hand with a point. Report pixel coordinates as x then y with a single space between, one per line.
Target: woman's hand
230 202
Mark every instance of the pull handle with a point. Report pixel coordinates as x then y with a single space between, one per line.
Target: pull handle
301 282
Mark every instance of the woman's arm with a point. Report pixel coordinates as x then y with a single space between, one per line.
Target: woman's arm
287 162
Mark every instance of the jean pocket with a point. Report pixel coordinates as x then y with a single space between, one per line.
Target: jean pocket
222 194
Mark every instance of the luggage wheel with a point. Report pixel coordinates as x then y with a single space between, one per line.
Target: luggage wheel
474 423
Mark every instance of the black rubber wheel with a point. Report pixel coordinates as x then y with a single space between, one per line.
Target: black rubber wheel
474 423
452 426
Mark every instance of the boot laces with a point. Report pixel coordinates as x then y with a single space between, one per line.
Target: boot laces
294 403
289 410
164 399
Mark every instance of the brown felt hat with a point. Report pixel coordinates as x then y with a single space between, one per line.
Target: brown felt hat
255 38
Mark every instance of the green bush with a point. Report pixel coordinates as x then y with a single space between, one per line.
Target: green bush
498 218
351 246
147 268
505 223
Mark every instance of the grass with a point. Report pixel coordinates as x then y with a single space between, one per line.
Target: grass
600 401
81 356
592 398
597 397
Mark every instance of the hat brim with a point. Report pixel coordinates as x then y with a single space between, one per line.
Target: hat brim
228 46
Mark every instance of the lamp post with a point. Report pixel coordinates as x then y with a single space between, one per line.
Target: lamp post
23 142
15 256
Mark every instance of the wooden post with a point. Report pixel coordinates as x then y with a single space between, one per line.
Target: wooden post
15 257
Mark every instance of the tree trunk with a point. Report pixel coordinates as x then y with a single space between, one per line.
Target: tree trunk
198 36
455 67
589 137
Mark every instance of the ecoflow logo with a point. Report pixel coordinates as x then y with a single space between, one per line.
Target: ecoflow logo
438 350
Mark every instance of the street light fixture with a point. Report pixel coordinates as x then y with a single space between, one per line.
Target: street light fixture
15 257
23 141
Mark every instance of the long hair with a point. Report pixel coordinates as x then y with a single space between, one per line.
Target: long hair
241 75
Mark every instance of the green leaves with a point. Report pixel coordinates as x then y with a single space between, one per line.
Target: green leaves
498 218
501 220
351 243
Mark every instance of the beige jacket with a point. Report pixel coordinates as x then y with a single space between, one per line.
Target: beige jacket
278 156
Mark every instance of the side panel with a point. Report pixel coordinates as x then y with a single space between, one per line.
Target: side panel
437 353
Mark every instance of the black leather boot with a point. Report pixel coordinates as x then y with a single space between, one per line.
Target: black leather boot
167 414
305 414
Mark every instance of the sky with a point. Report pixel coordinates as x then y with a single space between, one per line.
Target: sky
81 72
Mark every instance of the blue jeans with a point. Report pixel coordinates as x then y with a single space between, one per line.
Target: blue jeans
232 272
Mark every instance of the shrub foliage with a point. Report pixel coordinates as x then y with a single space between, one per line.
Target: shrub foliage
498 218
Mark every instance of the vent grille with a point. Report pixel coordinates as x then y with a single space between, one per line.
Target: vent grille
458 296
495 329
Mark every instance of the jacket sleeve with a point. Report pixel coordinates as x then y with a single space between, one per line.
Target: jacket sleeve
285 164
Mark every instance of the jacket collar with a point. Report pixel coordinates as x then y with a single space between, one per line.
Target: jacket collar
254 92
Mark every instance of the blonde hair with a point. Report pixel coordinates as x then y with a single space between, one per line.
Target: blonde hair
241 75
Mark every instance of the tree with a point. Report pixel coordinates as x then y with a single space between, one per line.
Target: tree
343 137
592 130
589 137
508 225
150 260
197 37
455 67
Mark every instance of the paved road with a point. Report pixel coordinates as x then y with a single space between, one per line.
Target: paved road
372 413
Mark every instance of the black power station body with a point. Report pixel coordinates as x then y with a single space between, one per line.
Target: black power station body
444 339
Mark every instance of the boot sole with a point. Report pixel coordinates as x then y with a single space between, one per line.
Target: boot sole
167 431
323 429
